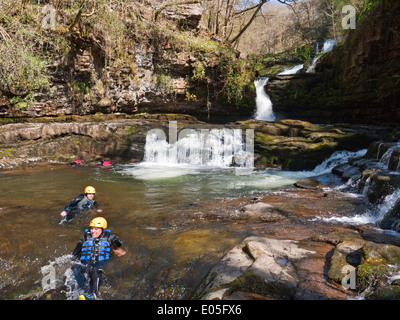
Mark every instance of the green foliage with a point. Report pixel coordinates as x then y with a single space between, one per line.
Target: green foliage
165 80
237 75
367 8
26 48
199 71
21 69
80 87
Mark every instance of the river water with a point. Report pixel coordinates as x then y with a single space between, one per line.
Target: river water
144 206
168 253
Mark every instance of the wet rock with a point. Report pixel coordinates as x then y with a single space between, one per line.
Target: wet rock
259 211
375 264
377 184
346 253
307 183
347 172
391 219
260 265
380 262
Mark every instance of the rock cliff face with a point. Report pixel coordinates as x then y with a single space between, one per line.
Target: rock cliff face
154 74
358 81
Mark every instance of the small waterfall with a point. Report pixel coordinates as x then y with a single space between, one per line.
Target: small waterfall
383 193
263 102
390 159
326 47
337 158
292 70
313 64
210 148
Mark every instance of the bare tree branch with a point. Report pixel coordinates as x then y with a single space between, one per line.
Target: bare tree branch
258 8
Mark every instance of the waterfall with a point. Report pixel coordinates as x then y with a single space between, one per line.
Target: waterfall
263 102
391 158
388 156
313 64
211 148
326 47
292 70
337 158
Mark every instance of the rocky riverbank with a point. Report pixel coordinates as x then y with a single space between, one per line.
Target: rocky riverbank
316 241
297 252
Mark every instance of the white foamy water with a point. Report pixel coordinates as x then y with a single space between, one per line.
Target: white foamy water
292 70
264 110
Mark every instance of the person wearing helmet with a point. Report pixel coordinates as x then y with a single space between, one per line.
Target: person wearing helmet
84 201
93 250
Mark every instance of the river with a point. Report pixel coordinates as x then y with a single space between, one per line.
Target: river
145 204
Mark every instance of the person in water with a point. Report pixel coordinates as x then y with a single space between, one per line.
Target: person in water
93 250
84 201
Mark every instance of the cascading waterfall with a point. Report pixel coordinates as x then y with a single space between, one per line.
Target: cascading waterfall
387 163
292 70
390 159
327 46
264 109
212 148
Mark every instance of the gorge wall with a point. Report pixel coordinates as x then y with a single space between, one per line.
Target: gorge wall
357 82
169 66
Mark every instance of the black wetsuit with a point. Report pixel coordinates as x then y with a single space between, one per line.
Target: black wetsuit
92 254
79 204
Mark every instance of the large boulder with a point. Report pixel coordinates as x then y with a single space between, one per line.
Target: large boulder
261 265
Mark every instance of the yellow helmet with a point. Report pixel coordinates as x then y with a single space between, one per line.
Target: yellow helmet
90 189
98 222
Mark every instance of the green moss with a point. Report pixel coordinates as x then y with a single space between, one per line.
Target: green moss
391 292
130 132
368 273
251 282
6 151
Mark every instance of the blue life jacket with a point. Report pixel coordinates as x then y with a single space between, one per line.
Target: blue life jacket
96 249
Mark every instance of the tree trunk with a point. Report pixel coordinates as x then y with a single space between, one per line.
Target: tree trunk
258 8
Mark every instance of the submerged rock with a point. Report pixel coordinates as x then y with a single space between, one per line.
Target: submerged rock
259 211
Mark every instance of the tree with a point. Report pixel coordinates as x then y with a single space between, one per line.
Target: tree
224 16
309 20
